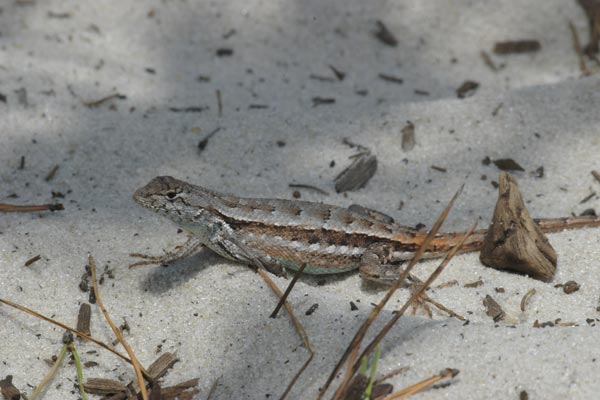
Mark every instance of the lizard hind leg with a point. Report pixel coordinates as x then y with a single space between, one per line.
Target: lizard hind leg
377 268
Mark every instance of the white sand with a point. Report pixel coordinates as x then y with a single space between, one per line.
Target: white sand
214 313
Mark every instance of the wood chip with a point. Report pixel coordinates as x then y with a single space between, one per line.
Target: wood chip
596 175
570 287
381 390
120 391
103 386
467 89
514 241
8 390
538 324
356 389
391 79
312 309
83 319
384 35
517 47
356 175
453 282
32 260
181 390
408 136
493 309
474 284
508 164
162 364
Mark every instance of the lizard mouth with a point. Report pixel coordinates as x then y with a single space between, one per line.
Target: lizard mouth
140 196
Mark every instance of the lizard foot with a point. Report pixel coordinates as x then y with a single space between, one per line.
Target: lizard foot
387 274
424 300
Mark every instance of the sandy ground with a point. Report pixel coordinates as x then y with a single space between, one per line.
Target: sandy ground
270 61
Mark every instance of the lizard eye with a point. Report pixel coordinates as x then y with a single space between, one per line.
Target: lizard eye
171 195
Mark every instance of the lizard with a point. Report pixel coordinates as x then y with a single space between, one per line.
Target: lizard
278 234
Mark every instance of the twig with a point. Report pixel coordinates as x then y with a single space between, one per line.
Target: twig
219 102
391 374
526 298
577 44
283 298
16 208
52 173
360 334
96 103
298 327
417 387
213 388
136 365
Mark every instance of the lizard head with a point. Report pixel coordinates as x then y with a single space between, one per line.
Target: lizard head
189 206
170 197
158 190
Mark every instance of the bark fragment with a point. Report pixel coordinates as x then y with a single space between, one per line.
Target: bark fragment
514 241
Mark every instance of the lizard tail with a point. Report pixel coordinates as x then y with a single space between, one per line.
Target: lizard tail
547 225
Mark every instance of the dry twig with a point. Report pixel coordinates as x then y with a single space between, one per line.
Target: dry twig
136 365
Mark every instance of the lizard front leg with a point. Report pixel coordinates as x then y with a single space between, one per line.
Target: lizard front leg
234 247
181 251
